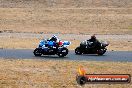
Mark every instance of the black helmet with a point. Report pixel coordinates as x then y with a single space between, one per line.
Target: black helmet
93 36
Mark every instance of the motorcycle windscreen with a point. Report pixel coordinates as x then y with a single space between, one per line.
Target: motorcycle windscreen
41 43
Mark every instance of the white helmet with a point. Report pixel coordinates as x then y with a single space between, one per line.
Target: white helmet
54 36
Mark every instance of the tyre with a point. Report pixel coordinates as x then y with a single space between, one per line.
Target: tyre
77 51
101 52
63 52
37 52
81 80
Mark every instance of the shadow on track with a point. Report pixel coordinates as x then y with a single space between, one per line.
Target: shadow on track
50 57
93 55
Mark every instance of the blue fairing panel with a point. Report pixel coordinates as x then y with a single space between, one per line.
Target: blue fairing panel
51 43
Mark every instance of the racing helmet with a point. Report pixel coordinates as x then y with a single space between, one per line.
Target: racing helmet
93 36
54 36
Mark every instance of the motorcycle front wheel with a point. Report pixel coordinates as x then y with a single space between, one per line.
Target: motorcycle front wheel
37 52
77 51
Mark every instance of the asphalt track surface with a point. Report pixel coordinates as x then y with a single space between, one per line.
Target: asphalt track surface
122 56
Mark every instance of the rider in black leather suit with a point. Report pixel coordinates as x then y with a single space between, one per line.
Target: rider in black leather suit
94 42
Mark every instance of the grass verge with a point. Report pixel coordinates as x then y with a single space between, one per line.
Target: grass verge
35 73
32 43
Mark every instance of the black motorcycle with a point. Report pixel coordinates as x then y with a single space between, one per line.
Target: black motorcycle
87 47
52 48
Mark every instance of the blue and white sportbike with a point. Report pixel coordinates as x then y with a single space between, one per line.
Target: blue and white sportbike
47 47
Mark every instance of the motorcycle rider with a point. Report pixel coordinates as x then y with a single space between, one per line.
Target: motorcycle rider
93 41
54 38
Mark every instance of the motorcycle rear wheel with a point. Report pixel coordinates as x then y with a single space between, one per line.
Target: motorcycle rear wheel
63 52
101 52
